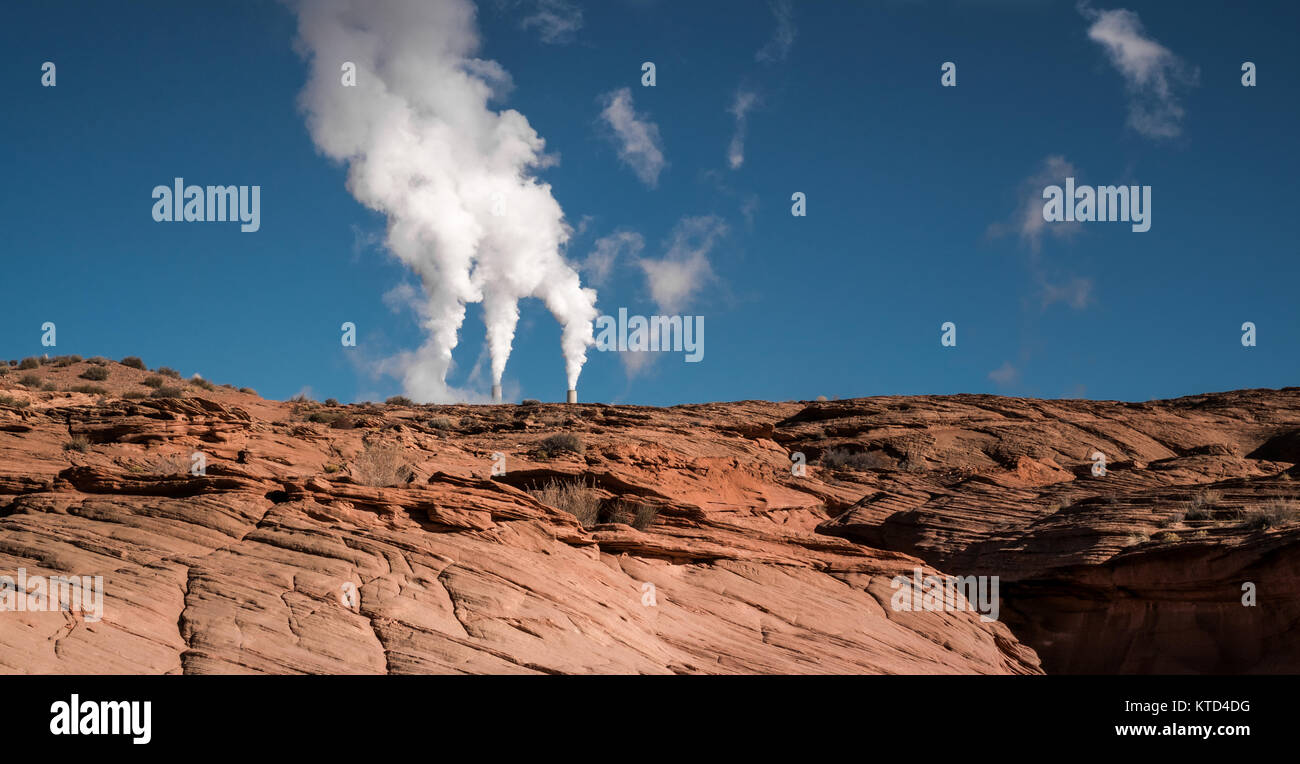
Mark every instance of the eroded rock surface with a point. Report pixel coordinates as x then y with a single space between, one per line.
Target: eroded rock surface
285 556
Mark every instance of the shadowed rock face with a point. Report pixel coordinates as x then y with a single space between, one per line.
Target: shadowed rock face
747 568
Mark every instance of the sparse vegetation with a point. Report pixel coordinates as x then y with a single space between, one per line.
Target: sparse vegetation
399 400
843 459
562 442
168 372
248 391
572 497
167 391
133 362
66 360
1199 507
88 389
530 402
9 400
440 423
1166 536
153 381
98 360
331 401
1272 514
324 417
77 443
330 469
30 380
638 514
95 374
382 465
134 395
30 362
200 382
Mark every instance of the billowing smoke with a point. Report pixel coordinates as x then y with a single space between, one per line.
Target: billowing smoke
455 177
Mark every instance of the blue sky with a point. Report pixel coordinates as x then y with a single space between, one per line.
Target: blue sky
916 197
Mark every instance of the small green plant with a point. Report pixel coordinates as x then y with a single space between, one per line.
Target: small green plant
562 442
572 497
30 362
95 374
77 443
133 362
167 391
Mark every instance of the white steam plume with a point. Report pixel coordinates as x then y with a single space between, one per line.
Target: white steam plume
454 177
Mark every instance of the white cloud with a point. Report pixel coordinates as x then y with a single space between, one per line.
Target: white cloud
778 47
744 101
600 263
1076 293
1005 374
1153 75
684 268
556 21
1027 220
639 144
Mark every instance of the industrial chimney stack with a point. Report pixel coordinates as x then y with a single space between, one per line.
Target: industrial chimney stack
573 396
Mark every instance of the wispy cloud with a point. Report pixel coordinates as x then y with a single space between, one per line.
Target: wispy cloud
639 144
778 47
1027 220
556 21
608 249
1004 375
744 101
685 268
1153 76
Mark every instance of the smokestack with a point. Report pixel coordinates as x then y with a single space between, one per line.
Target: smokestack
573 396
496 393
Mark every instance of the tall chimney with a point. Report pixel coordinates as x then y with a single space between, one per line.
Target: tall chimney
573 396
496 393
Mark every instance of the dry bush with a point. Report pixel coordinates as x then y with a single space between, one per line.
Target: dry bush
843 459
382 465
168 372
30 380
562 442
202 383
573 497
399 400
1272 514
95 374
167 392
134 362
77 443
30 362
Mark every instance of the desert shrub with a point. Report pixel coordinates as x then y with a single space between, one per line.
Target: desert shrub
77 443
66 360
4 369
153 381
330 469
1166 536
9 400
399 400
382 465
48 387
843 459
30 380
200 382
344 422
30 362
1201 504
134 395
167 391
638 514
168 372
562 442
95 374
530 402
301 398
1272 514
323 417
98 360
572 497
133 362
248 391
331 401
440 423
88 389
